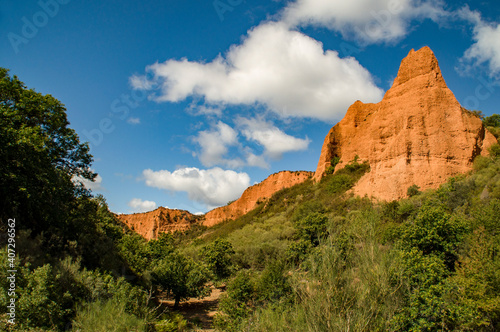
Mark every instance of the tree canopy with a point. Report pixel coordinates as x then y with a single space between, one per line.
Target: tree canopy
40 155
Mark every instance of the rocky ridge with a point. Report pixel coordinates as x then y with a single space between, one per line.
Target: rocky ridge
254 195
162 220
150 224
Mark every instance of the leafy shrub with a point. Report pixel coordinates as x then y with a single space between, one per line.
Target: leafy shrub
434 232
492 121
413 190
306 208
236 304
494 150
174 322
333 163
218 257
340 183
107 316
312 228
297 251
476 283
274 284
426 308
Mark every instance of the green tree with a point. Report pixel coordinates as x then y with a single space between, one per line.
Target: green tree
434 232
493 124
312 228
161 247
218 257
181 277
413 190
492 121
40 156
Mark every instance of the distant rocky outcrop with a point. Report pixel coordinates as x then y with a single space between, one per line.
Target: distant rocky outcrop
162 220
150 224
418 134
252 195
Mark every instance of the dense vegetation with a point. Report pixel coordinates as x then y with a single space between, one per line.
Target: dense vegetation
77 266
310 258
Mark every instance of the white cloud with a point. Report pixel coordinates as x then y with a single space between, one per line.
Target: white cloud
213 187
141 206
286 71
255 160
214 145
368 21
133 120
486 49
95 185
205 110
274 141
140 82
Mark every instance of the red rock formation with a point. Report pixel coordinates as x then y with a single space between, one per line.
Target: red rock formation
252 195
418 134
162 220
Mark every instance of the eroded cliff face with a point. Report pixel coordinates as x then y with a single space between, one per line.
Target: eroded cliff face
162 220
418 134
254 194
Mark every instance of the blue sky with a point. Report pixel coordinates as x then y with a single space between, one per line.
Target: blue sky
186 103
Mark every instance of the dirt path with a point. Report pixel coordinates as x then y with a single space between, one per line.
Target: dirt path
202 311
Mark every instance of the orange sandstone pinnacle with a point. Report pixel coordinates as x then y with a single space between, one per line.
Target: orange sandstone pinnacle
418 134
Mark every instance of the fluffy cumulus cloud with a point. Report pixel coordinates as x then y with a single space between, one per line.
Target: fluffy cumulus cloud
138 205
486 49
284 70
274 141
368 21
212 187
214 145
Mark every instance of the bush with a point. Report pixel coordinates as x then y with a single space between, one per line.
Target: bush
494 150
434 232
297 251
413 190
274 284
312 228
173 323
340 183
107 316
236 304
218 257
